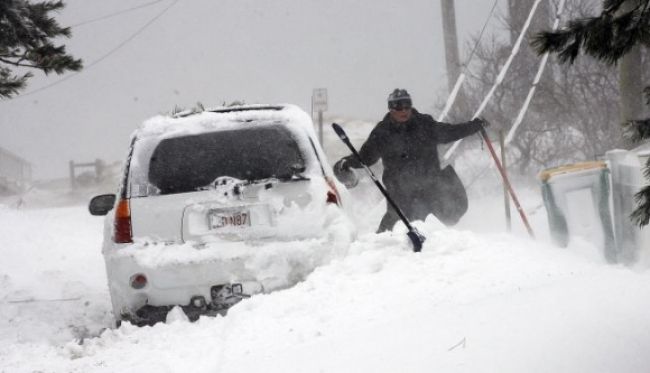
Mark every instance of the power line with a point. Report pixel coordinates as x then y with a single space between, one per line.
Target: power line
115 14
538 77
500 77
531 92
102 58
480 36
461 78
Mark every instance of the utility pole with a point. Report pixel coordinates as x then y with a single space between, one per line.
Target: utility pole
631 85
452 56
451 42
630 81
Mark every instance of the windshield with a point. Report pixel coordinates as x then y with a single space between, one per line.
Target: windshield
190 163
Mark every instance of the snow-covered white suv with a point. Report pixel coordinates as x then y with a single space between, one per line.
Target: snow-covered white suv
202 189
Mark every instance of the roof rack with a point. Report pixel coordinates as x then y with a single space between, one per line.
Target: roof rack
246 108
178 113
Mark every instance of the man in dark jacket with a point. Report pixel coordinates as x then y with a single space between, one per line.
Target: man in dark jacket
407 143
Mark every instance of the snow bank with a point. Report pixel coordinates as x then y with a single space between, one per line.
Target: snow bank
52 277
468 302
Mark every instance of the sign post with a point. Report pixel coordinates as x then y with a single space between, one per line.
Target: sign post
319 104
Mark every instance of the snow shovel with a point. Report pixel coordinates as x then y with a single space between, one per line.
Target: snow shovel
416 238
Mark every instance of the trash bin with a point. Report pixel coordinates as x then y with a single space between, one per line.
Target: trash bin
577 198
627 181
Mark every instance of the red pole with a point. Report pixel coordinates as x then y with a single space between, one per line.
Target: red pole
507 182
504 164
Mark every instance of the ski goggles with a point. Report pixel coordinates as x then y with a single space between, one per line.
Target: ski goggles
399 105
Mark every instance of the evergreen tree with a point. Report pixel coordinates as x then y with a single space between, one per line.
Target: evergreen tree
608 37
27 32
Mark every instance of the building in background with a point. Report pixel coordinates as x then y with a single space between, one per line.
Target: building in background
15 173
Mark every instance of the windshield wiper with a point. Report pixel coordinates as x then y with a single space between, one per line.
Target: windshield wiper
294 177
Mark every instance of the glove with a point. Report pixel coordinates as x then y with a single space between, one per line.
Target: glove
341 166
345 174
482 121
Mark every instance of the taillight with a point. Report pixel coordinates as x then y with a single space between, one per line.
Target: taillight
122 224
331 198
138 281
332 194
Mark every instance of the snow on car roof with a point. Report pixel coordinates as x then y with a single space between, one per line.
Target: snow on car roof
160 127
225 118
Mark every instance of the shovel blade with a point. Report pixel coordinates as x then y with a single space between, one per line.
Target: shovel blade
416 239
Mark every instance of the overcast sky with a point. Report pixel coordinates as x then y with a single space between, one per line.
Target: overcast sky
258 51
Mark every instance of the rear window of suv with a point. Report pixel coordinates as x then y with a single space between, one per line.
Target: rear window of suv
190 163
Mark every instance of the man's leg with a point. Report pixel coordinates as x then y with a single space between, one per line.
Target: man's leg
388 221
405 203
420 207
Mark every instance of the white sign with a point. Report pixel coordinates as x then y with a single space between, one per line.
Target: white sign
319 99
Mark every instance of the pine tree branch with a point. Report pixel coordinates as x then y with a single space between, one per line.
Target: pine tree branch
17 63
605 37
10 85
641 215
622 25
26 40
612 6
642 33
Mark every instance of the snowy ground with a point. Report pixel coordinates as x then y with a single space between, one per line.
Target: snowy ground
475 300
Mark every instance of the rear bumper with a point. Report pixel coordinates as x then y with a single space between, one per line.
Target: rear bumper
175 273
222 298
173 284
150 315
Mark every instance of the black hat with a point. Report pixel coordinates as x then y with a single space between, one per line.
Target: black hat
397 97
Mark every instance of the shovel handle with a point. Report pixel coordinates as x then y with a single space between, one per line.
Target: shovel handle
416 238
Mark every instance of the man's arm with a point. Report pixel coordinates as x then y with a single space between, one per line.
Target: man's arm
451 132
369 152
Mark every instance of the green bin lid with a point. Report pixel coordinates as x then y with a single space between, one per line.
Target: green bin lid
567 169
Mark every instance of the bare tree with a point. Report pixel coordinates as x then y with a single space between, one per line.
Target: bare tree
614 36
570 118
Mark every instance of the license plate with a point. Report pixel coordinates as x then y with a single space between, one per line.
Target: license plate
225 219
